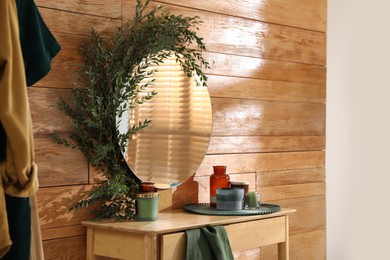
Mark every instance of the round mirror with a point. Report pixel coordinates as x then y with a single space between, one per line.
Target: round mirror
174 144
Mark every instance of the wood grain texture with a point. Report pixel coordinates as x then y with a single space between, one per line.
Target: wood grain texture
262 117
238 87
263 40
308 245
296 13
277 178
247 37
59 165
46 117
292 191
65 66
257 162
169 245
54 204
61 21
60 232
114 244
106 8
249 67
263 143
65 248
310 213
274 228
268 87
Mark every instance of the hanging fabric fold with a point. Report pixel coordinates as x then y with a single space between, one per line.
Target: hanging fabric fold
38 44
18 170
208 243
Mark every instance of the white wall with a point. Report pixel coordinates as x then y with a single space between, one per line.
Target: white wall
358 130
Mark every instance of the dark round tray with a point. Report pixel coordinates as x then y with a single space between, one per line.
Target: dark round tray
205 209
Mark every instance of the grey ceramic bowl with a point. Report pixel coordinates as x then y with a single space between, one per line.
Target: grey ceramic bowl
230 199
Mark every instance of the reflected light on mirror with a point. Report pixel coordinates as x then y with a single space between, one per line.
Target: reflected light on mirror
172 147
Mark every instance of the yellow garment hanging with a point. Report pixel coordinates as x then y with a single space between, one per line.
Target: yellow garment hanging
18 171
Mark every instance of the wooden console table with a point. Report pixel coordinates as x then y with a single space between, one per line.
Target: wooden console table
165 238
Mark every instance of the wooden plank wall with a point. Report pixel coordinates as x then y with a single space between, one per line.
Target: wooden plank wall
267 86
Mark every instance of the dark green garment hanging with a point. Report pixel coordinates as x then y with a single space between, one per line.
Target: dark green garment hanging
18 214
38 49
38 44
208 243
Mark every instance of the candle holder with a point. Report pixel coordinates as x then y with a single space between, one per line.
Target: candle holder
252 200
146 206
230 199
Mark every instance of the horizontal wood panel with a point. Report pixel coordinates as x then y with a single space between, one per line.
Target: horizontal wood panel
71 35
296 13
67 62
277 178
54 204
308 245
46 118
58 164
257 162
60 232
249 67
263 117
236 87
310 214
106 8
72 23
65 66
247 37
65 248
256 144
291 191
258 39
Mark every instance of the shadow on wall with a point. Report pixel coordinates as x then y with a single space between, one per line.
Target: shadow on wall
185 193
54 204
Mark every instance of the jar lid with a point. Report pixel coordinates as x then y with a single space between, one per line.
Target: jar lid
239 183
147 195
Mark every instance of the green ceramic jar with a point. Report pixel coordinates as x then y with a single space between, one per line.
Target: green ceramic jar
147 206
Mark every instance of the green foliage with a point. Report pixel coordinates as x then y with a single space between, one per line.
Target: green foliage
113 71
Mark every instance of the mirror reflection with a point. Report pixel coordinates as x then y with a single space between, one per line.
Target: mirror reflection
174 144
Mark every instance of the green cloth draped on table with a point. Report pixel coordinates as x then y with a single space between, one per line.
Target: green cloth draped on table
208 243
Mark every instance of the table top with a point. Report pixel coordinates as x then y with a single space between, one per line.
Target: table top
178 220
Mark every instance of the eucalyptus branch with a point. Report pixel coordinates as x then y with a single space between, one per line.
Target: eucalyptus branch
115 71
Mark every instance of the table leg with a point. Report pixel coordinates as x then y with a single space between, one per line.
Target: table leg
90 243
151 247
283 248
